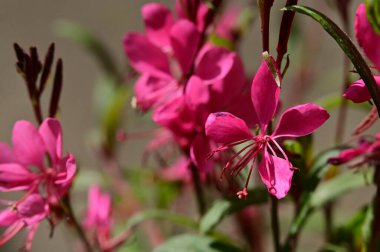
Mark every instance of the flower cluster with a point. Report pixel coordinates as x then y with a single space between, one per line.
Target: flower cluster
35 165
182 79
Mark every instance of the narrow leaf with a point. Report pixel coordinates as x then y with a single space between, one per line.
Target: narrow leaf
347 46
215 215
195 243
161 215
320 167
338 186
367 228
224 208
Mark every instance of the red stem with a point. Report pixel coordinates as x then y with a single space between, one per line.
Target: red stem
265 7
283 38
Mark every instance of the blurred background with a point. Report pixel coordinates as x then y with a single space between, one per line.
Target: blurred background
315 71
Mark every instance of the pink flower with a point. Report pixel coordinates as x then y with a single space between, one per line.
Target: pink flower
27 214
369 40
36 163
167 54
98 220
98 217
98 212
182 82
367 151
275 169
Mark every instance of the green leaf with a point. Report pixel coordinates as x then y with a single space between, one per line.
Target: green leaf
337 186
215 215
354 233
320 167
79 34
222 42
195 243
332 247
223 208
293 146
373 14
161 215
367 228
347 46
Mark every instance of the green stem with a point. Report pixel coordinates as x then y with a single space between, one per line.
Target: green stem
328 211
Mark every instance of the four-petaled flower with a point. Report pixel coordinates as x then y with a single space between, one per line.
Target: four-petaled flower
275 169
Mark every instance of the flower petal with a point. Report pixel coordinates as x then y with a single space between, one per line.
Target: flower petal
276 174
265 94
33 210
224 128
197 92
158 22
51 133
301 120
150 91
214 64
358 91
224 92
99 209
32 229
184 38
176 116
145 57
15 177
366 36
28 146
66 172
8 216
242 107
